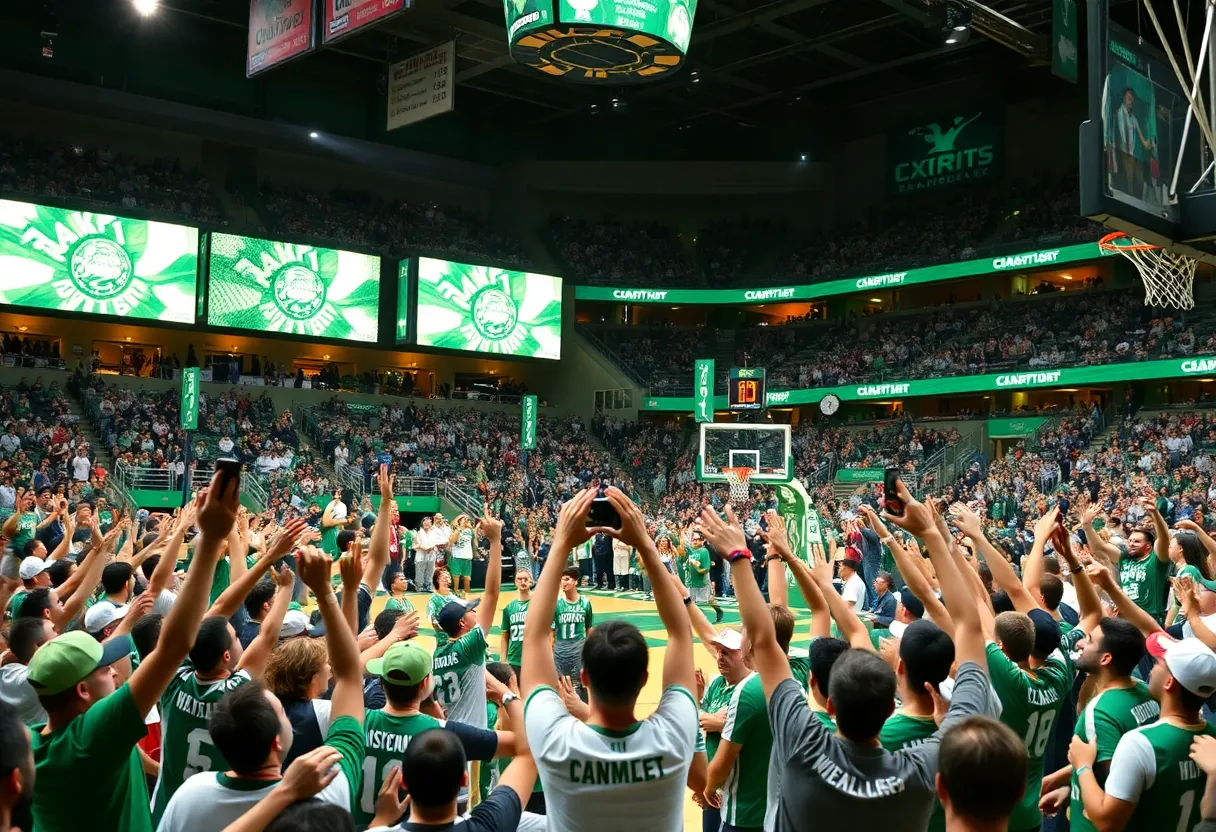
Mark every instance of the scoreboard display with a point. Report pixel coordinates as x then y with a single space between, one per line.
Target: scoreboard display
745 388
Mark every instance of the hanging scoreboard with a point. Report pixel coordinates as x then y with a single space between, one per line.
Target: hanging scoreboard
745 388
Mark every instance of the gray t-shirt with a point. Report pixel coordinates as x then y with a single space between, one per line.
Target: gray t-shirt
828 781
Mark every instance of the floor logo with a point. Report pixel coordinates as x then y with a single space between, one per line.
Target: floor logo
494 313
100 268
299 292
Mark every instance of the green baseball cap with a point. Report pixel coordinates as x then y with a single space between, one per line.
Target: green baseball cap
67 659
404 664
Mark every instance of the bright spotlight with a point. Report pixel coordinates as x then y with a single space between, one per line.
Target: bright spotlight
314 135
146 7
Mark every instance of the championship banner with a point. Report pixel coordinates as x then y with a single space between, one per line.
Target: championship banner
96 264
1064 39
527 428
488 309
801 522
403 301
340 18
190 398
267 286
703 389
279 30
955 147
422 86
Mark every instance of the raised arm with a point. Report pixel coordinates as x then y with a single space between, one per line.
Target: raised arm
1002 570
909 566
768 658
89 576
163 573
406 627
238 547
257 654
1102 576
1162 544
314 568
1102 549
65 543
491 527
216 513
350 569
705 631
382 533
232 597
1032 564
1090 604
781 556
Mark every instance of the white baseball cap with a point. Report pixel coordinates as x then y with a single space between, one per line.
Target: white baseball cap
32 566
1189 661
102 615
730 639
297 623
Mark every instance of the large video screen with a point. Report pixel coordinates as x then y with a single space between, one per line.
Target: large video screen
488 309
295 289
96 264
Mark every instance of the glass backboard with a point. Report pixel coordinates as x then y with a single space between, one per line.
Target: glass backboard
763 448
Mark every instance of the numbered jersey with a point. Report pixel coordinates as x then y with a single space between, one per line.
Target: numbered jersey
1030 704
185 743
460 678
513 616
387 736
1152 768
571 617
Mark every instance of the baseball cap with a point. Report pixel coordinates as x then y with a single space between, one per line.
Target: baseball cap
914 606
102 615
67 659
1046 633
1189 661
449 617
403 664
730 639
32 566
296 623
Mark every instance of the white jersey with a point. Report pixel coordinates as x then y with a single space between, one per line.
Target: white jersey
601 781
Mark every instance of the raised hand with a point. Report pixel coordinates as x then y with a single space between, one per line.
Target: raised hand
314 566
968 521
725 536
284 578
571 529
917 518
1046 525
286 539
633 523
406 626
311 772
386 482
777 537
489 526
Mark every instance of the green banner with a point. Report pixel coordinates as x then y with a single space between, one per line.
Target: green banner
952 148
366 409
860 474
294 289
1041 258
527 427
703 389
1035 379
403 301
190 379
96 264
525 15
488 309
1064 39
1014 428
801 522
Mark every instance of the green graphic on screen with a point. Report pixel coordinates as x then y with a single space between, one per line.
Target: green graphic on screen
96 264
524 15
293 289
668 19
403 301
489 309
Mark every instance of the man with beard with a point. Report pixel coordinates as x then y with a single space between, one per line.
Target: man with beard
16 772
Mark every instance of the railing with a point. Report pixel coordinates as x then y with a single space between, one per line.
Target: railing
610 353
128 478
469 503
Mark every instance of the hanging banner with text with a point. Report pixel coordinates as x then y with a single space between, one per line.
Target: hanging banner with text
190 398
703 389
1064 39
340 18
422 86
527 434
1014 428
1203 367
1016 262
279 30
952 148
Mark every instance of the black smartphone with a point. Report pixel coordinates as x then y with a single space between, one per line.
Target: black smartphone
891 502
229 470
1062 520
603 513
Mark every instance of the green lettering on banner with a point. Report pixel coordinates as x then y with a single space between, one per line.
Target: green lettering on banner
703 390
801 521
1014 428
929 274
952 148
189 403
1064 39
1066 377
527 437
860 474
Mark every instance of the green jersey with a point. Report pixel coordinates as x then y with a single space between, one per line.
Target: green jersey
185 742
716 697
800 669
1106 718
902 731
1145 581
513 616
387 736
1030 703
403 604
745 793
27 527
571 618
698 567
460 677
433 605
825 719
1152 768
14 604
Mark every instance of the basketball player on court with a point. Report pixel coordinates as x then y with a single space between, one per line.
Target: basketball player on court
614 772
571 623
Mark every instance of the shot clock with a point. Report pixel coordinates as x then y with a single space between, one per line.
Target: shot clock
745 388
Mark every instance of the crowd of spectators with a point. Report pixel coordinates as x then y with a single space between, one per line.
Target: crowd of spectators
612 252
98 176
41 443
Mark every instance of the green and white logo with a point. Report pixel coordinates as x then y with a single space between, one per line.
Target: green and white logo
488 309
294 289
946 151
78 261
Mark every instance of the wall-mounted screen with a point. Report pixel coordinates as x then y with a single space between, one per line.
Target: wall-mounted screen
488 309
295 289
96 264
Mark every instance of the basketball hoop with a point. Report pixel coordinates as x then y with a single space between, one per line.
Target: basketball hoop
739 479
1167 275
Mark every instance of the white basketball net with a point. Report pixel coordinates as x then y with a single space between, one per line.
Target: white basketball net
740 483
1168 276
